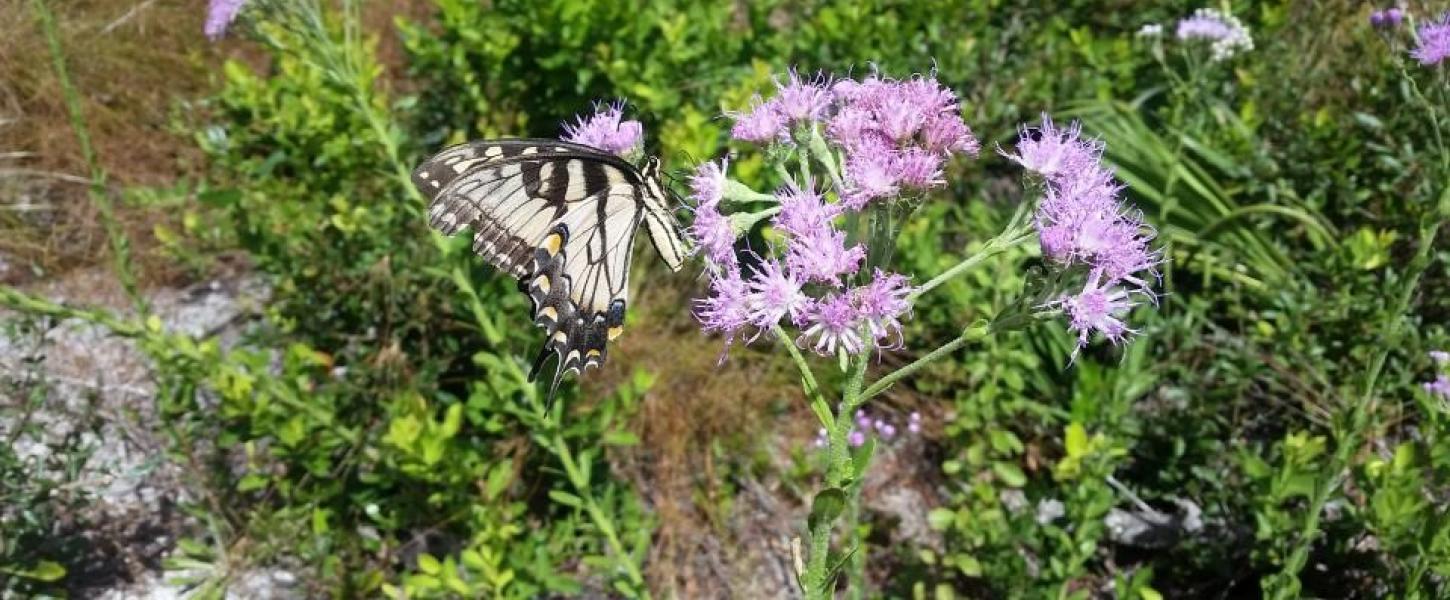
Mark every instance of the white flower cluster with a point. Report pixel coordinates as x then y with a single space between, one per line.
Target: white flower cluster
1227 35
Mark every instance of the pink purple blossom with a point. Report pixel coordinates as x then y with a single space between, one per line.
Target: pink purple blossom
804 212
774 295
881 304
763 124
1434 42
606 130
823 256
219 16
1439 387
712 231
1440 357
833 323
1098 308
715 236
803 101
1054 153
727 309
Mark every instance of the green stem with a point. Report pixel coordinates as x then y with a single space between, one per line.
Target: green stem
967 336
1009 239
813 389
120 245
819 574
1359 415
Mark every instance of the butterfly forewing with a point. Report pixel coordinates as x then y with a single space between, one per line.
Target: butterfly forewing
561 218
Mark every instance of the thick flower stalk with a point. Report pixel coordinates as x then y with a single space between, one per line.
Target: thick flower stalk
855 158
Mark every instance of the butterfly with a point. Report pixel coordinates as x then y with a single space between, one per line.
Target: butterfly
561 218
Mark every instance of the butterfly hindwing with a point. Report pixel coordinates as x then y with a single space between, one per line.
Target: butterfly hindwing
562 219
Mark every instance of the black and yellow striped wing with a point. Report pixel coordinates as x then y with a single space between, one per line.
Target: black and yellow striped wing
561 218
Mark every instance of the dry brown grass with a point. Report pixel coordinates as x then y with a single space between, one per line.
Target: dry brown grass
134 62
131 60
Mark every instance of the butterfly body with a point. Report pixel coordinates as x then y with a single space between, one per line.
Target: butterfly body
561 218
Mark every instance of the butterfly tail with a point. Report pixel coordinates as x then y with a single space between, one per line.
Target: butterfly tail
539 363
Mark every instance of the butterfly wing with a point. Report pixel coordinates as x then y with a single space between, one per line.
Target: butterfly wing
559 217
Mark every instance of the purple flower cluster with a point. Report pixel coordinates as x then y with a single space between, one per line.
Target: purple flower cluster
895 135
1083 224
606 130
836 318
892 137
219 16
1434 42
865 425
1387 19
1225 34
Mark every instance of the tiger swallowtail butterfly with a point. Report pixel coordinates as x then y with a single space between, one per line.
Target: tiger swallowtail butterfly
560 217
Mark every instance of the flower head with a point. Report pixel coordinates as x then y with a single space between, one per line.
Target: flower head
1440 357
1439 387
871 173
823 256
606 130
219 16
712 231
833 323
727 309
1097 308
763 124
1434 42
881 305
802 101
1056 154
804 212
707 185
1387 19
774 295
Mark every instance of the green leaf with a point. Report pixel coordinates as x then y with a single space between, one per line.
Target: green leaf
621 438
499 478
1076 440
428 564
565 498
827 505
452 421
1009 473
941 518
45 570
